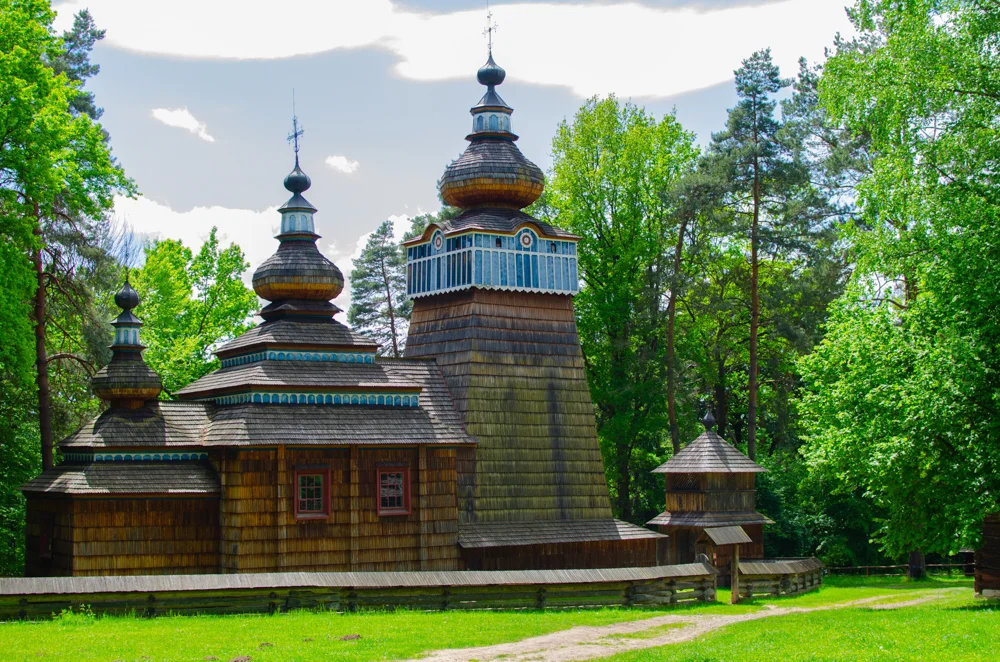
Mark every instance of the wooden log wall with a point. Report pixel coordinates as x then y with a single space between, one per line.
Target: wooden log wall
515 370
587 554
261 534
126 535
780 585
987 582
447 591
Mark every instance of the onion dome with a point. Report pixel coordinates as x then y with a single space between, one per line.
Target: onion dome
126 381
298 280
492 172
491 73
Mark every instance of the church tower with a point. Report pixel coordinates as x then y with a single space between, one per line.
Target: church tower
492 293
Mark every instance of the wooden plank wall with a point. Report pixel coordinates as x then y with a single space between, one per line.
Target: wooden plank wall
683 549
515 370
60 512
987 582
749 550
589 554
260 532
719 493
127 536
549 595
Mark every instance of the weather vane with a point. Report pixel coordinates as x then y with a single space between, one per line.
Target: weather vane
293 137
491 27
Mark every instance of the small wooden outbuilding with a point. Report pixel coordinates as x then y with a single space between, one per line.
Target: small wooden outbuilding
987 583
711 485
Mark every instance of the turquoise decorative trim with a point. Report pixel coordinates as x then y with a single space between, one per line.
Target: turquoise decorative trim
369 399
135 456
288 355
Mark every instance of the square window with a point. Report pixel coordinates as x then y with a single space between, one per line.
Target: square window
312 498
394 490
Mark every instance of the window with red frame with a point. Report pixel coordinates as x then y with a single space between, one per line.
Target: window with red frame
394 490
312 499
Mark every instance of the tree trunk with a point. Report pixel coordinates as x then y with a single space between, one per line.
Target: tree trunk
42 362
754 319
671 316
917 567
721 397
392 312
623 499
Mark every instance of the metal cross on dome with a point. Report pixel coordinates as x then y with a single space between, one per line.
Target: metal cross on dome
297 132
491 27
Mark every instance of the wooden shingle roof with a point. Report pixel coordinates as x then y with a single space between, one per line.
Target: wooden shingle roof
297 374
501 220
192 478
290 333
329 425
201 424
707 519
709 453
727 535
157 424
779 566
504 534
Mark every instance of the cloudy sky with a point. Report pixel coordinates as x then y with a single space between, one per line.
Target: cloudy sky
198 94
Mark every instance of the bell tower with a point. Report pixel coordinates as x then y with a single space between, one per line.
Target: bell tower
492 293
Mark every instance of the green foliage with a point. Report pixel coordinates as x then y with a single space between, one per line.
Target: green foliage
190 305
610 168
902 396
379 307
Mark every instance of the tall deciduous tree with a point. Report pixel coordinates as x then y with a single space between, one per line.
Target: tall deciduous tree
379 307
611 166
902 394
56 170
191 304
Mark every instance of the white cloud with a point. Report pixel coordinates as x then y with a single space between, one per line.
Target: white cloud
183 119
343 164
252 230
629 49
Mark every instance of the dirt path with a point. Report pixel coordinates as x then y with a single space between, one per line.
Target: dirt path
589 642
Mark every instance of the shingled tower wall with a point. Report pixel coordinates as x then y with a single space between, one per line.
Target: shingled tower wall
492 303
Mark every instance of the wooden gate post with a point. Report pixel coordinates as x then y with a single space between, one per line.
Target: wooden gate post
735 581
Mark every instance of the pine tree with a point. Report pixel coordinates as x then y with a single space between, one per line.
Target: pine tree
379 307
769 195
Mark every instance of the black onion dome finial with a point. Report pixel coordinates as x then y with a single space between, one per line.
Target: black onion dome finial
127 298
708 420
491 73
296 181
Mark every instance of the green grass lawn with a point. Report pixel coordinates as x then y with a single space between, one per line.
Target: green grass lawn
952 629
301 635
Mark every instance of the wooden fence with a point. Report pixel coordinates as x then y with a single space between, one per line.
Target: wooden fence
779 576
966 569
36 598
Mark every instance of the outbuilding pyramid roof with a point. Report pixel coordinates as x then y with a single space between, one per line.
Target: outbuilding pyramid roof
709 453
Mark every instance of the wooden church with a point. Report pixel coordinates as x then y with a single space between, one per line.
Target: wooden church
306 451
